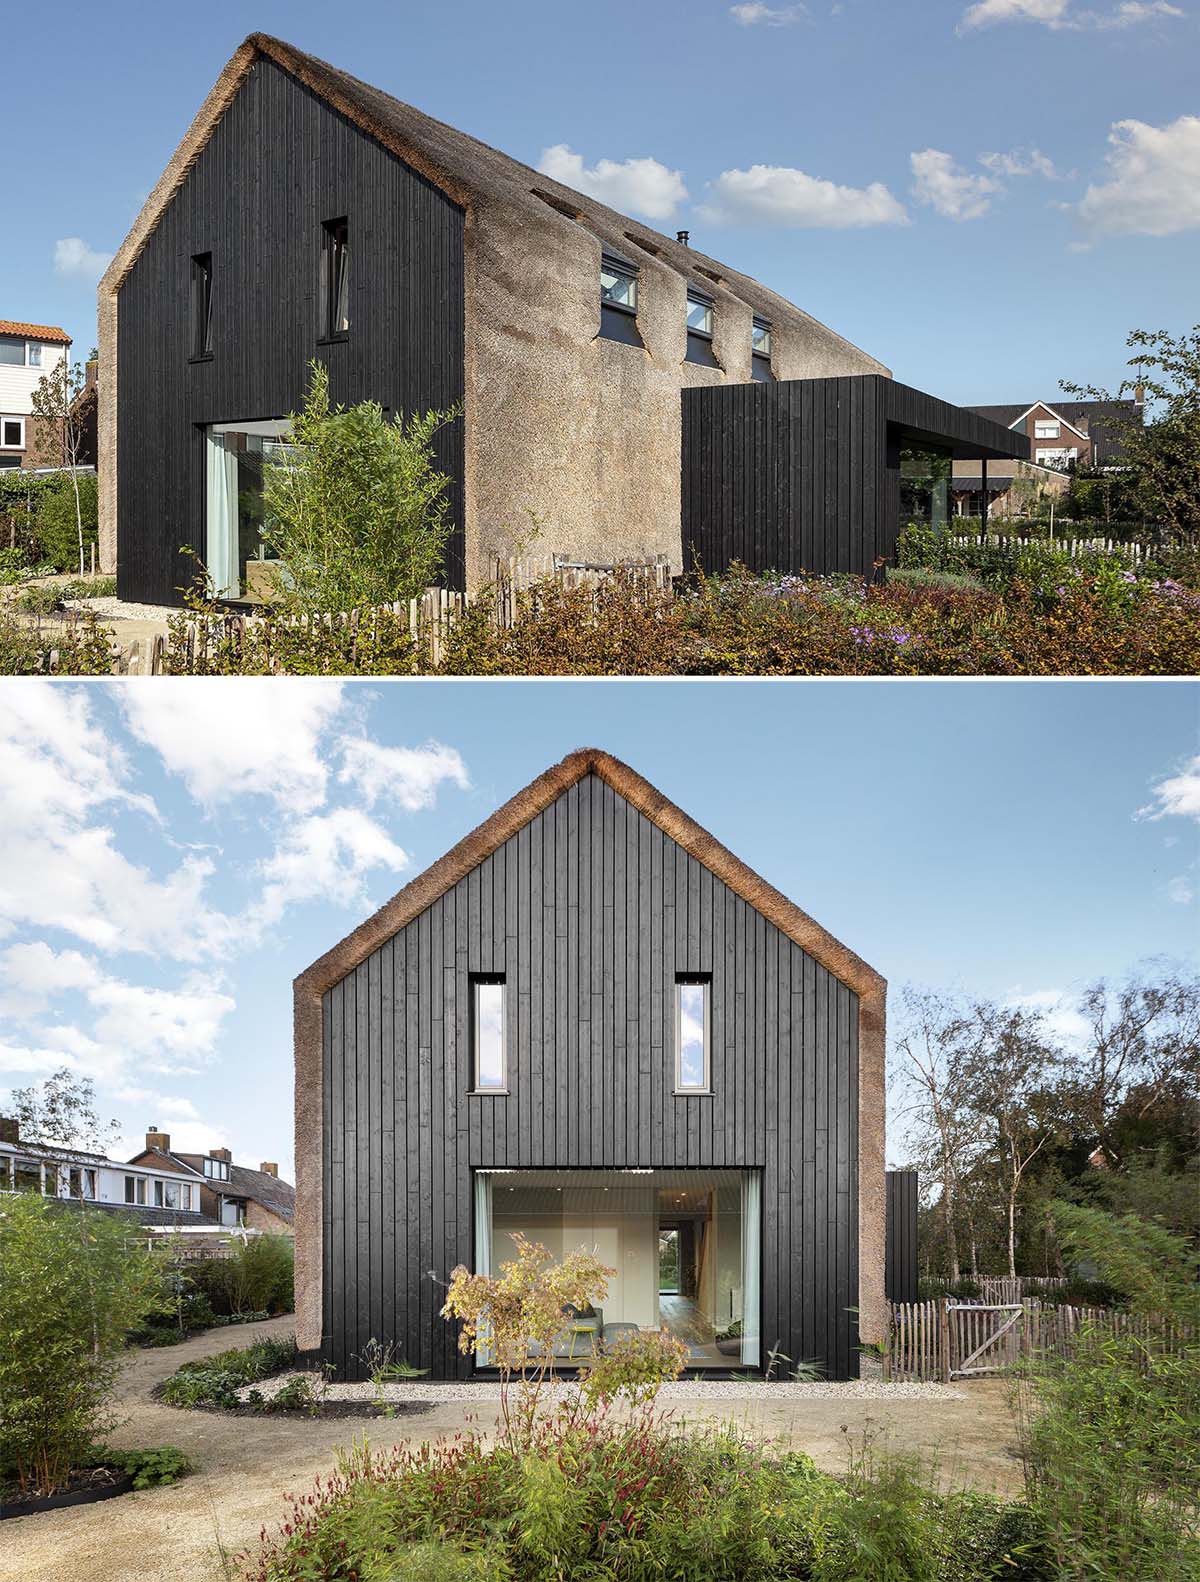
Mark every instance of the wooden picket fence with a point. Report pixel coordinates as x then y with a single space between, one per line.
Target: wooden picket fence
430 618
1132 550
1002 1288
945 1340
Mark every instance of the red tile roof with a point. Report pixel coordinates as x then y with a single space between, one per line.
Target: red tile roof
34 332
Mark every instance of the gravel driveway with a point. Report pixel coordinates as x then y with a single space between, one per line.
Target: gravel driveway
246 1464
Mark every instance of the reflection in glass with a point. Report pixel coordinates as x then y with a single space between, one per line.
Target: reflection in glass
489 1036
236 455
692 1034
617 288
925 485
684 1245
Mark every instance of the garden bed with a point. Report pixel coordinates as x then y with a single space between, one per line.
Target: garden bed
85 1487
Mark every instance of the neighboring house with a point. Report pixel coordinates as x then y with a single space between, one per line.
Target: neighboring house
152 1195
229 1194
27 353
591 1023
1068 434
308 215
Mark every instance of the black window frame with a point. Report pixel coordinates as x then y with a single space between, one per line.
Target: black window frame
618 320
477 981
700 342
202 308
335 280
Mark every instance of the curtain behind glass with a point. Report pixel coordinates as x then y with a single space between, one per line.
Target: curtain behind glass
751 1264
222 518
483 1246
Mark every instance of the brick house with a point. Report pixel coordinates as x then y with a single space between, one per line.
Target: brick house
230 1194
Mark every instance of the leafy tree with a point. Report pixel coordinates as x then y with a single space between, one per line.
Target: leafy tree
1161 458
358 515
55 403
71 1287
63 1113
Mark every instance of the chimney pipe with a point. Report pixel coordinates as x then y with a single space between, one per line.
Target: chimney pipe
221 1153
269 1169
157 1139
1139 395
682 236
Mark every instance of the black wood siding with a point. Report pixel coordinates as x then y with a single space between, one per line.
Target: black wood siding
589 911
278 165
804 474
900 1263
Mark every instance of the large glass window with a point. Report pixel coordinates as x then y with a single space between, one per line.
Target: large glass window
27 1175
487 1035
237 560
685 1245
925 485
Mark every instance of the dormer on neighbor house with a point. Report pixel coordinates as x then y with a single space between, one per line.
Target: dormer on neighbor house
27 353
231 1194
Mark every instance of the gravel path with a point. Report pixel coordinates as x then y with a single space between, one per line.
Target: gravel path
689 1390
245 1465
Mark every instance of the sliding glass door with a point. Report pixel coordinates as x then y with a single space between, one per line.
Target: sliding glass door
235 453
685 1246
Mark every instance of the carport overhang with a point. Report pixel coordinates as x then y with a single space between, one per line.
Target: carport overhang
916 418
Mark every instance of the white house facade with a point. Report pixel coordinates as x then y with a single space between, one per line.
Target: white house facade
27 353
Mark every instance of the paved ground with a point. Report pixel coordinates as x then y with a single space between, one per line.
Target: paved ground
246 1464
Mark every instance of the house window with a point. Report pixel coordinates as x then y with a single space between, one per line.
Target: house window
233 1211
488 1035
619 299
1046 430
700 329
170 1194
760 351
692 996
33 355
27 1175
1061 458
216 1169
13 353
12 433
202 281
335 279
135 1189
83 1182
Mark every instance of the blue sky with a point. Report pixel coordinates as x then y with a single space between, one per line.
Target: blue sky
832 150
174 855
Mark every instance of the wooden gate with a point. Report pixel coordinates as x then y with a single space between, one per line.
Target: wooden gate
980 1338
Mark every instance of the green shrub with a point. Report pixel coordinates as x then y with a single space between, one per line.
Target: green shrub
921 577
215 1381
55 530
83 648
70 1290
257 1277
151 1469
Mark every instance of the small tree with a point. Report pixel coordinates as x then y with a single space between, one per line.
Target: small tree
515 1317
70 1289
1162 457
63 1113
55 403
358 514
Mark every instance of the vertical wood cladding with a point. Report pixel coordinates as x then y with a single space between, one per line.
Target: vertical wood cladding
900 1262
589 911
804 474
279 164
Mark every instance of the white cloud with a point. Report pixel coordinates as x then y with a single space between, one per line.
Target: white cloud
62 780
777 195
1175 795
1058 1010
1059 16
947 188
226 738
73 257
1153 185
754 12
1020 163
634 186
1181 890
326 856
408 776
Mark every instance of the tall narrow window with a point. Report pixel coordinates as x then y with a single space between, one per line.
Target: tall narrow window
335 279
619 299
700 329
760 351
202 305
692 996
488 1035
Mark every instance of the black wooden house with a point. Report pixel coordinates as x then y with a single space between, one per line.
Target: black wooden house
591 1023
